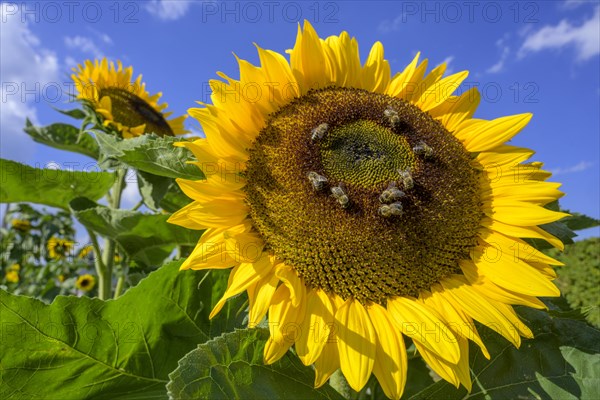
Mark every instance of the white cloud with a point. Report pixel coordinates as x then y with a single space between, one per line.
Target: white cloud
26 68
168 10
581 166
83 44
448 60
585 38
388 26
504 53
573 3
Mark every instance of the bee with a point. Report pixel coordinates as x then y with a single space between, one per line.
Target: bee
391 194
406 178
319 132
391 210
392 116
422 149
318 181
340 195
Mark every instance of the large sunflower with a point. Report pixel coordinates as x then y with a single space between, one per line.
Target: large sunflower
124 104
357 208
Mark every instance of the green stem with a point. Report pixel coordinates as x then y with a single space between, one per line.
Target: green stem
98 263
138 205
120 284
105 286
5 219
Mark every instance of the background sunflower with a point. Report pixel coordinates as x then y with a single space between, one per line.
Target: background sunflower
123 103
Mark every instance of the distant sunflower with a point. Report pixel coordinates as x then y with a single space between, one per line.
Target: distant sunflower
367 207
85 282
124 104
85 251
12 273
21 225
58 248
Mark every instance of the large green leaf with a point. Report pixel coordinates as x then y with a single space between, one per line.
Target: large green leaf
147 238
153 188
232 367
79 348
174 199
562 362
52 187
64 137
150 153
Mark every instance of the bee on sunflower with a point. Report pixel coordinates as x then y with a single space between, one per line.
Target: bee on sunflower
367 208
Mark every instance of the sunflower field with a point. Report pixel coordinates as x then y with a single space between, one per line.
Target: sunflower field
360 233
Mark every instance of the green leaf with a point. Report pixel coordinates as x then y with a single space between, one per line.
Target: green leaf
562 362
578 221
174 199
74 113
83 347
147 238
232 367
151 153
153 188
558 229
52 187
64 137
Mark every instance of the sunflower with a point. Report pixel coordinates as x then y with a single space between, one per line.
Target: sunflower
21 225
85 251
124 104
358 208
85 282
58 248
12 273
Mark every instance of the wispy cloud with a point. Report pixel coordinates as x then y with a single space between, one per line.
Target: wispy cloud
448 60
574 3
25 67
84 44
504 53
581 166
168 10
387 26
585 38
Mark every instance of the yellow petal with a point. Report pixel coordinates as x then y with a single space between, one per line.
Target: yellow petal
456 319
486 135
259 297
180 217
453 373
479 308
441 90
390 361
518 247
291 279
284 324
521 213
316 327
376 72
502 268
455 110
401 80
421 325
484 286
522 232
328 363
240 278
356 343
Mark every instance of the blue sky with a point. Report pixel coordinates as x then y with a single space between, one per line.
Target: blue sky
540 57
